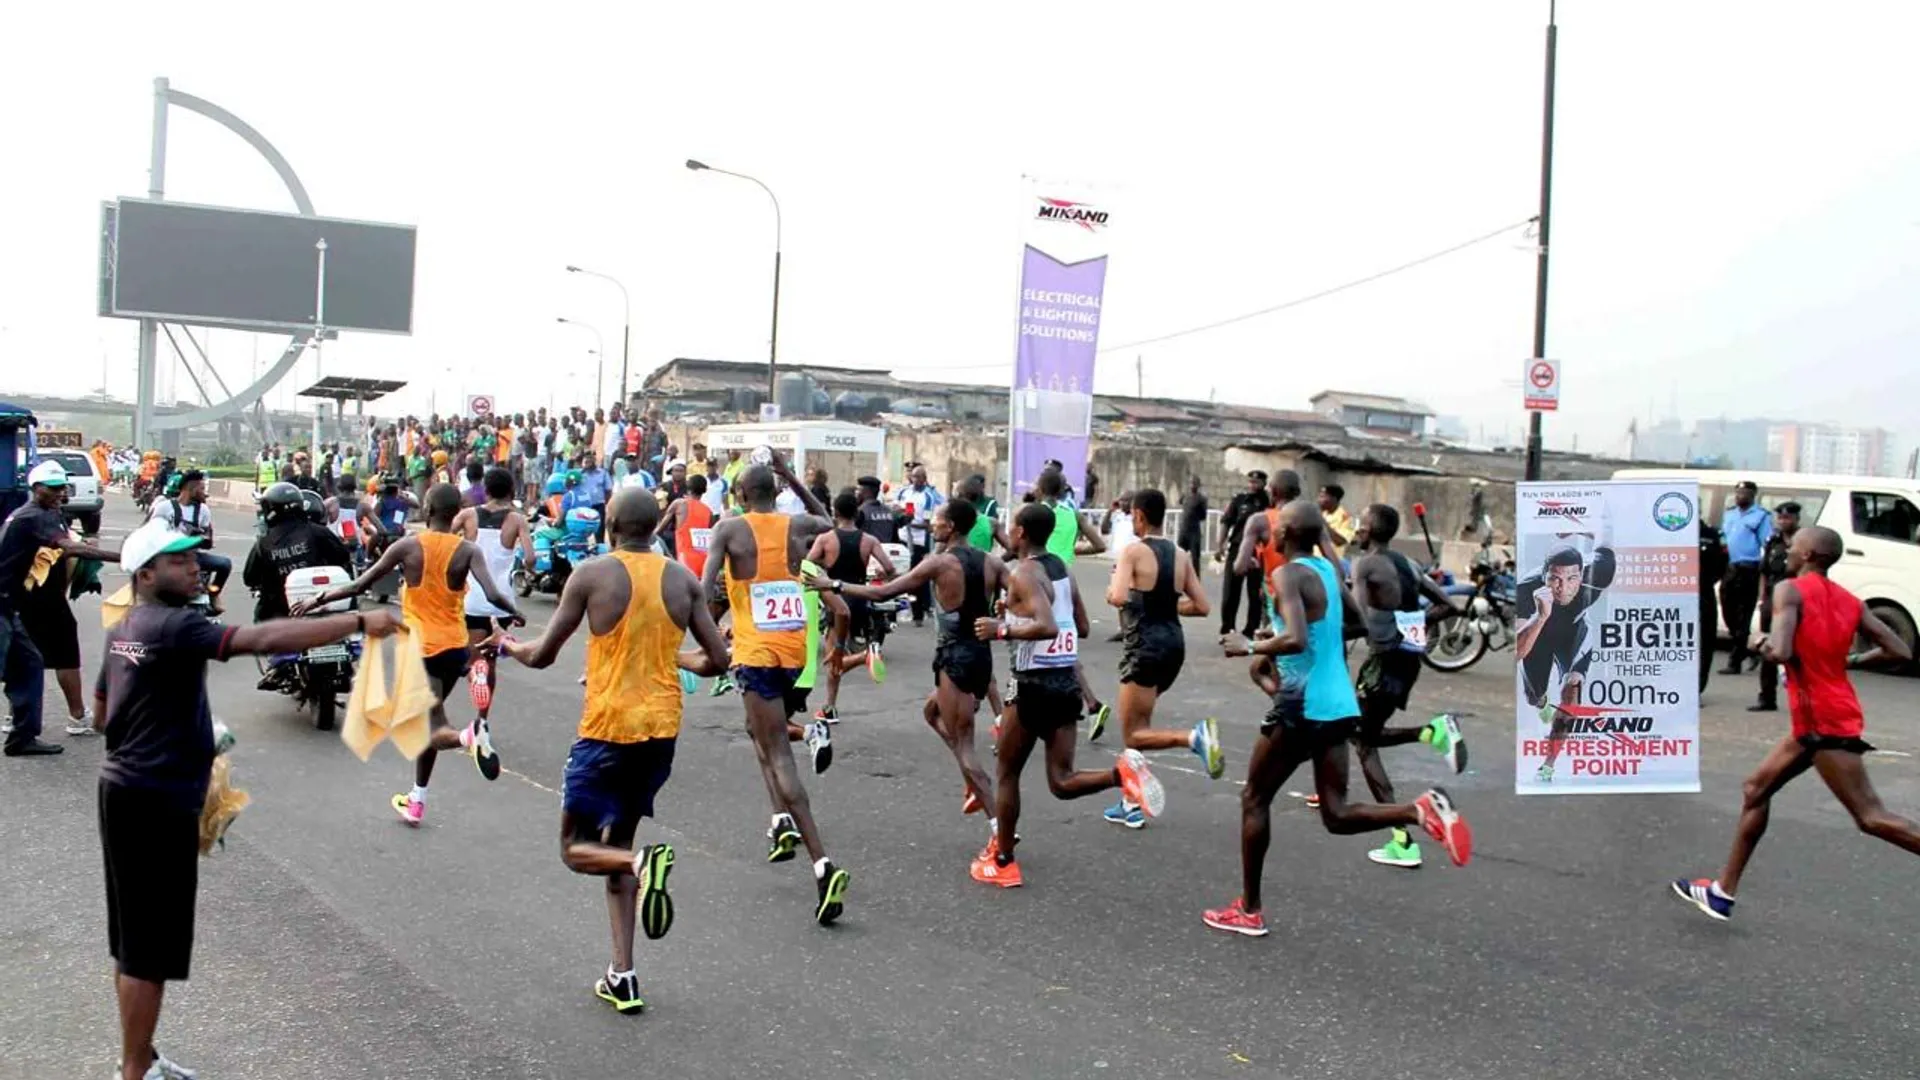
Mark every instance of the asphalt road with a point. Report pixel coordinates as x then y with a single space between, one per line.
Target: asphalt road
334 941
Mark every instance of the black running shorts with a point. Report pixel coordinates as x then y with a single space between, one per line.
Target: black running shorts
968 665
445 670
1045 701
152 846
1386 681
1155 666
1851 744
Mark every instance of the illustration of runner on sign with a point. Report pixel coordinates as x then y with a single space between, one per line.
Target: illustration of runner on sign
1554 637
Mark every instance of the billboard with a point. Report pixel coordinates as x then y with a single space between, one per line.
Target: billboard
252 269
1063 275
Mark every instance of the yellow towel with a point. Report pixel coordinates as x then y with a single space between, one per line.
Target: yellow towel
377 712
224 803
115 607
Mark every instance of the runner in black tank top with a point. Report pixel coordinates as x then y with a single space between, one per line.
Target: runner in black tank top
1154 584
963 582
844 552
1389 589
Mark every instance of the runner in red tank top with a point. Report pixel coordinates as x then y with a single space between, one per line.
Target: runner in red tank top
1814 622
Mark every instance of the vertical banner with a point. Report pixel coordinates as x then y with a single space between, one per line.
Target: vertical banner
1063 276
1607 612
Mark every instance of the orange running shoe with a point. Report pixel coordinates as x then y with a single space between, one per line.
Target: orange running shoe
480 682
1139 785
972 805
987 870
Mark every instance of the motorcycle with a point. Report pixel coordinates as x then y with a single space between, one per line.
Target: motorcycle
1484 622
901 556
317 676
556 551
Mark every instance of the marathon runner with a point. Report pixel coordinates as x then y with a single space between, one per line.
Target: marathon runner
760 552
639 607
1554 635
963 582
1814 626
435 566
498 531
845 551
1311 720
1070 526
1045 621
690 522
1154 584
1388 589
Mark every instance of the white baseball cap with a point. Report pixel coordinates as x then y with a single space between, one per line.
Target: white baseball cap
49 473
154 538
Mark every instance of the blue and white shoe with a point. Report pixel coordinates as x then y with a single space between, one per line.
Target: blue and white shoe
1705 894
1206 743
1122 814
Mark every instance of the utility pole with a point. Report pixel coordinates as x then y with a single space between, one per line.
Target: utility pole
1545 229
1139 378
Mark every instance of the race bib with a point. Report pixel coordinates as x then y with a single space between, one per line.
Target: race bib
1062 651
1413 630
700 538
777 606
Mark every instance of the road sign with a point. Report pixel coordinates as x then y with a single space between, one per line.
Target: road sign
480 404
770 413
1541 386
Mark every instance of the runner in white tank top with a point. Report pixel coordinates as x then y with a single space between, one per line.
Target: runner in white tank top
497 530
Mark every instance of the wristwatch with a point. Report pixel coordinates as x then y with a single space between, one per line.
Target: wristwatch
839 586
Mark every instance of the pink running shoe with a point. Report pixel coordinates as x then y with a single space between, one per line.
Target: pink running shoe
480 682
411 810
1445 824
1236 919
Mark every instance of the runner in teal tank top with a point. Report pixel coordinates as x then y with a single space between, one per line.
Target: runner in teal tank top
1312 717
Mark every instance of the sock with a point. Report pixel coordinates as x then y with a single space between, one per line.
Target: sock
1128 804
1401 839
993 828
1427 733
820 867
776 821
1717 891
466 737
615 976
418 794
1193 739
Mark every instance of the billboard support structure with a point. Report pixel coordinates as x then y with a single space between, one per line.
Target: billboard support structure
145 423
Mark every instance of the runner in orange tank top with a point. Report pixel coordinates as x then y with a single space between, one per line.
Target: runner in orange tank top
434 566
639 607
1261 544
760 552
690 522
1814 625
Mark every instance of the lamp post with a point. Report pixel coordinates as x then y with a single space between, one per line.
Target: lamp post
1546 219
773 337
600 367
626 324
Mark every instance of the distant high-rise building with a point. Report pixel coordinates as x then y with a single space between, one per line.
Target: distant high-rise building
1830 449
1741 444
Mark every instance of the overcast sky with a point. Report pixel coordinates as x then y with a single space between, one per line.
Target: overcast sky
1736 218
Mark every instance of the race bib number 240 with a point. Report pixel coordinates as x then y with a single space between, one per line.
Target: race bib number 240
777 605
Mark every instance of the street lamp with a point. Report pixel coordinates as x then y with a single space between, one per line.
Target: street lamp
773 338
626 323
601 366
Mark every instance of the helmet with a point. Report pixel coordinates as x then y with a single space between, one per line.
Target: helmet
315 507
280 500
573 477
173 484
556 485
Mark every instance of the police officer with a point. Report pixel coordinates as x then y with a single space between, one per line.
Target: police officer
294 539
1773 571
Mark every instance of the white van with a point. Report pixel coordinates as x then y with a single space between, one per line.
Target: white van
1878 519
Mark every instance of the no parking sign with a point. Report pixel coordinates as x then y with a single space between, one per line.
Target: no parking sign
1541 386
480 404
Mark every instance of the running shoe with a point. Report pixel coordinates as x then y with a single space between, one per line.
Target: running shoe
1705 894
622 993
1101 714
1545 775
1313 800
827 714
480 682
820 745
998 726
1236 919
972 803
1139 785
987 870
781 839
1206 743
1443 734
1400 850
411 810
689 682
170 1070
721 685
484 757
876 665
833 894
79 727
153 1073
1444 823
1124 813
651 865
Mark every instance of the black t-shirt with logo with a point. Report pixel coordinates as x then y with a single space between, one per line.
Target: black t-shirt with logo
25 532
154 677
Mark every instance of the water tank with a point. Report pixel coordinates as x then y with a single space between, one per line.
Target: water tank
821 405
850 405
744 399
795 394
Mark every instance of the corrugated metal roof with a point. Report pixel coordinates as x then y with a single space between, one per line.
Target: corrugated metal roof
1372 401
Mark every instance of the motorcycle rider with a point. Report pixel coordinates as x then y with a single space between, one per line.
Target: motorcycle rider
187 513
293 541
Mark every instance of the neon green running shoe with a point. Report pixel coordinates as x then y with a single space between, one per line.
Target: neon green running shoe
721 685
1443 734
1206 743
1400 850
1100 717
